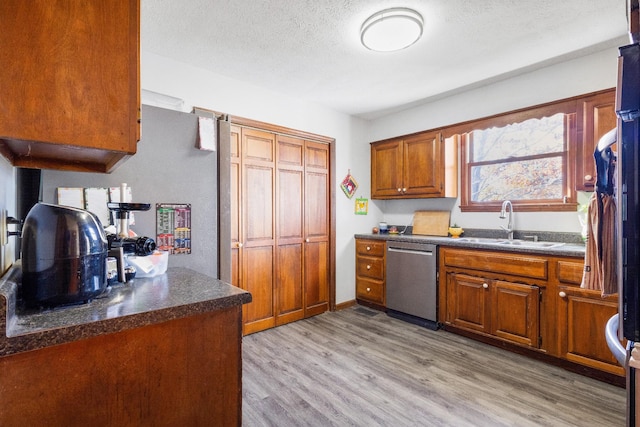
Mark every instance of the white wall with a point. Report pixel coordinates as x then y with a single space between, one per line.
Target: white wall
197 87
578 76
7 207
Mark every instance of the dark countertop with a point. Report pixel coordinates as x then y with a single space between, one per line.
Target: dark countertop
178 293
567 249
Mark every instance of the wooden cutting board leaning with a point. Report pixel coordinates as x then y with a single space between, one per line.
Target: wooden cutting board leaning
431 223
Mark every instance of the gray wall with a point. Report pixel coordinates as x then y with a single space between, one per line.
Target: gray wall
167 168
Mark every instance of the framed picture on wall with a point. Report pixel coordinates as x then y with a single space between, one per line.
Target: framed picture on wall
362 206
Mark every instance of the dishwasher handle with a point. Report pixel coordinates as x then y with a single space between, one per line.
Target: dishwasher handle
411 251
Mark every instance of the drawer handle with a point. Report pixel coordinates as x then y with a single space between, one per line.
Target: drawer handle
368 289
588 177
562 294
368 248
485 285
368 267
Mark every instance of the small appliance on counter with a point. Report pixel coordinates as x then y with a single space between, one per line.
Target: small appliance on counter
64 253
121 245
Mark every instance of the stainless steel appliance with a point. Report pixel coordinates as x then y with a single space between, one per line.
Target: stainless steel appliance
64 254
628 211
412 289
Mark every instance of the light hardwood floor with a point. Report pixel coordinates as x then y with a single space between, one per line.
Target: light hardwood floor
359 367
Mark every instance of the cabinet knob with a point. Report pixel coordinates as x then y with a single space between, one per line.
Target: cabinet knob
368 267
368 289
239 244
485 285
368 248
306 240
404 190
399 190
588 177
562 294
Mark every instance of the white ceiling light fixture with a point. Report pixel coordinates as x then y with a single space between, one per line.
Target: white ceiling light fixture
391 29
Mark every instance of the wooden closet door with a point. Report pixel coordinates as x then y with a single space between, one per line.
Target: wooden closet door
316 211
289 229
236 207
258 250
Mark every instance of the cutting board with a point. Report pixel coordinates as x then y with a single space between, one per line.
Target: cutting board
431 223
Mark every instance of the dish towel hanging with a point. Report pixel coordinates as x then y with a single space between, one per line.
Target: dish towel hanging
600 253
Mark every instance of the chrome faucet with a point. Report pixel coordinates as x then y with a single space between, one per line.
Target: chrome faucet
503 215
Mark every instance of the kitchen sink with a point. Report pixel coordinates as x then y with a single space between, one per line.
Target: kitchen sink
505 242
530 244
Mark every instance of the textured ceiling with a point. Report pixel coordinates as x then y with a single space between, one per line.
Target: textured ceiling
311 49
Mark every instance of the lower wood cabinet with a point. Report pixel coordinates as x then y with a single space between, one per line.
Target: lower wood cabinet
532 301
582 316
370 272
506 310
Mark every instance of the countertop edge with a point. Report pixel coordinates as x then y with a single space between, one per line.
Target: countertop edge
568 250
20 336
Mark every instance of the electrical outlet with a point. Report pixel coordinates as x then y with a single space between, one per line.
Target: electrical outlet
3 228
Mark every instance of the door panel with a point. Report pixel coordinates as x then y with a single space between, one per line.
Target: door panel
515 309
316 278
468 302
289 286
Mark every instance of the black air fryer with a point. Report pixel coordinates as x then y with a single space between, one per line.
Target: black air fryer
64 253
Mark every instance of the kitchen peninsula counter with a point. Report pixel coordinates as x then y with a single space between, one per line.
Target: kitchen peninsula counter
155 351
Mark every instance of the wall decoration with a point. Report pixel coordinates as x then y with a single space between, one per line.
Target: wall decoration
173 228
349 185
362 206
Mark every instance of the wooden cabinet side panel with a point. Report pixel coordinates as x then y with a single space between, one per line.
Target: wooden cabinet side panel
182 372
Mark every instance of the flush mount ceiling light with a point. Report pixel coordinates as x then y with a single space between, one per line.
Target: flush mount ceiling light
391 29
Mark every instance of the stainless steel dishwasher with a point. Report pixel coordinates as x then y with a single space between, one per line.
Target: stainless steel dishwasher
412 282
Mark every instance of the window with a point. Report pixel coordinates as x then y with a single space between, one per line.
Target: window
522 157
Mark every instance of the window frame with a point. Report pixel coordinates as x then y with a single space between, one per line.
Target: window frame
568 203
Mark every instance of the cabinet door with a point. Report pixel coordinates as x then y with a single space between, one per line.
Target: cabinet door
423 168
289 286
258 250
596 117
515 312
386 169
70 78
316 220
582 316
468 302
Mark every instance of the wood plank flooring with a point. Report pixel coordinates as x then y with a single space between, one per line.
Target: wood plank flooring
359 367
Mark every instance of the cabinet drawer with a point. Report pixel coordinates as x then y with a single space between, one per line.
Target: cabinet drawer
370 267
517 265
370 247
570 272
370 290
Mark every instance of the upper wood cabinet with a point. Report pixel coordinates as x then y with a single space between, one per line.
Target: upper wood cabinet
70 83
596 116
417 166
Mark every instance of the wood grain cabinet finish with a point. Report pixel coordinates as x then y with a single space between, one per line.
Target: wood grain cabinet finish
528 300
370 272
596 116
416 166
280 226
70 83
582 316
506 310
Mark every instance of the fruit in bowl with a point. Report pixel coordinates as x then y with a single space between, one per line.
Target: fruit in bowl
455 231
